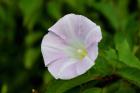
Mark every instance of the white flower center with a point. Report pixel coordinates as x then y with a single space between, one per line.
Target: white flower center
79 50
81 53
76 51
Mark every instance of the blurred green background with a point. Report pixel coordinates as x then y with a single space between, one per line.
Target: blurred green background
23 23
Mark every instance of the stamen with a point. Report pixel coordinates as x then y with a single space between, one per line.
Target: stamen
81 53
79 50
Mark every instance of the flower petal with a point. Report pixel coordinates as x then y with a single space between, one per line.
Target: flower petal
77 27
93 51
52 48
65 27
84 66
63 68
93 36
84 27
60 47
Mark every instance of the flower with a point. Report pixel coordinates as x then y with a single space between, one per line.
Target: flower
71 46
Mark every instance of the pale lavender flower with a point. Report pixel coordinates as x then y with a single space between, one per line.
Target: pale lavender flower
71 46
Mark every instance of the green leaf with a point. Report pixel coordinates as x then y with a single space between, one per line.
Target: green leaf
110 54
123 5
31 55
139 3
4 88
93 90
31 11
33 37
55 12
131 74
2 14
118 87
124 51
103 67
132 28
123 15
111 58
76 5
61 86
109 11
47 77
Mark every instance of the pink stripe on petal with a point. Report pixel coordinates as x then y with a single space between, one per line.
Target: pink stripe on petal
84 26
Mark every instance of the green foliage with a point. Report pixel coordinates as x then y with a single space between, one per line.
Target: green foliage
131 74
93 90
32 38
124 51
108 10
4 88
31 11
119 87
23 23
60 86
54 11
31 55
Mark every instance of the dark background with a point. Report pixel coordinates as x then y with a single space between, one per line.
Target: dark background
23 23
